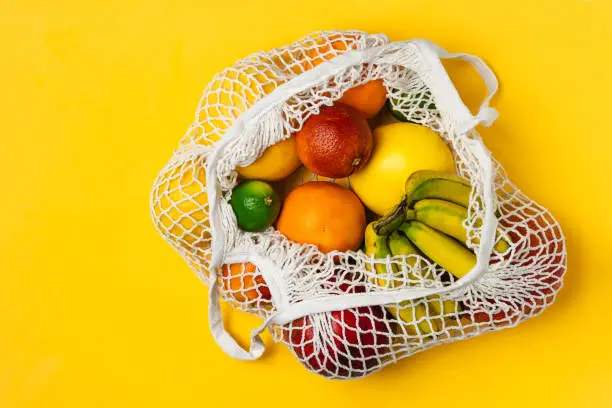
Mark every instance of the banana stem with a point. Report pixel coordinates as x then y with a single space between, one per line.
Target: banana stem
393 219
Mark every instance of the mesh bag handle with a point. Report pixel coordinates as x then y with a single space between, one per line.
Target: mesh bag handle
447 96
448 101
223 338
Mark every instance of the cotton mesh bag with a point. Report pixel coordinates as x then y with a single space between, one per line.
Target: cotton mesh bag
331 309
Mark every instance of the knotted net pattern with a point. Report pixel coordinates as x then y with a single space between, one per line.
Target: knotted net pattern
350 343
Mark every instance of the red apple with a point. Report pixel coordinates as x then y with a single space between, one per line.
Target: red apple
343 343
315 352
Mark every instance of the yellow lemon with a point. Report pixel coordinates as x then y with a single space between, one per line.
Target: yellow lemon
230 94
277 162
399 150
180 206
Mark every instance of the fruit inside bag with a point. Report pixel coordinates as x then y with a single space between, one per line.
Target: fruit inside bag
353 208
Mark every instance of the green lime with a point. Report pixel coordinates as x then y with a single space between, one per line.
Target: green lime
255 204
416 102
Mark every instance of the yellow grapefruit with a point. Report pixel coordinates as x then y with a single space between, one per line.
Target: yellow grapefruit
399 150
230 94
180 206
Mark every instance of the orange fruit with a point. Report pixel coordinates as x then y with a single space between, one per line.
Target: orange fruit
243 283
328 47
290 61
335 143
368 98
324 214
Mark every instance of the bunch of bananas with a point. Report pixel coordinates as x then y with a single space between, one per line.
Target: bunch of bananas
428 221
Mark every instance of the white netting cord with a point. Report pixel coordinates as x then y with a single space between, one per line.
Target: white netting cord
179 208
520 282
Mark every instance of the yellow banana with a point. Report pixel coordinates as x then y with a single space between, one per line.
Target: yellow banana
415 319
448 218
434 184
439 307
400 245
501 244
440 248
442 215
376 246
441 310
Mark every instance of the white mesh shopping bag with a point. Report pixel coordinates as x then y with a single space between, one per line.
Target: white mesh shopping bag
331 309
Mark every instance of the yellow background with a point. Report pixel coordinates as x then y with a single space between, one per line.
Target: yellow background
97 311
